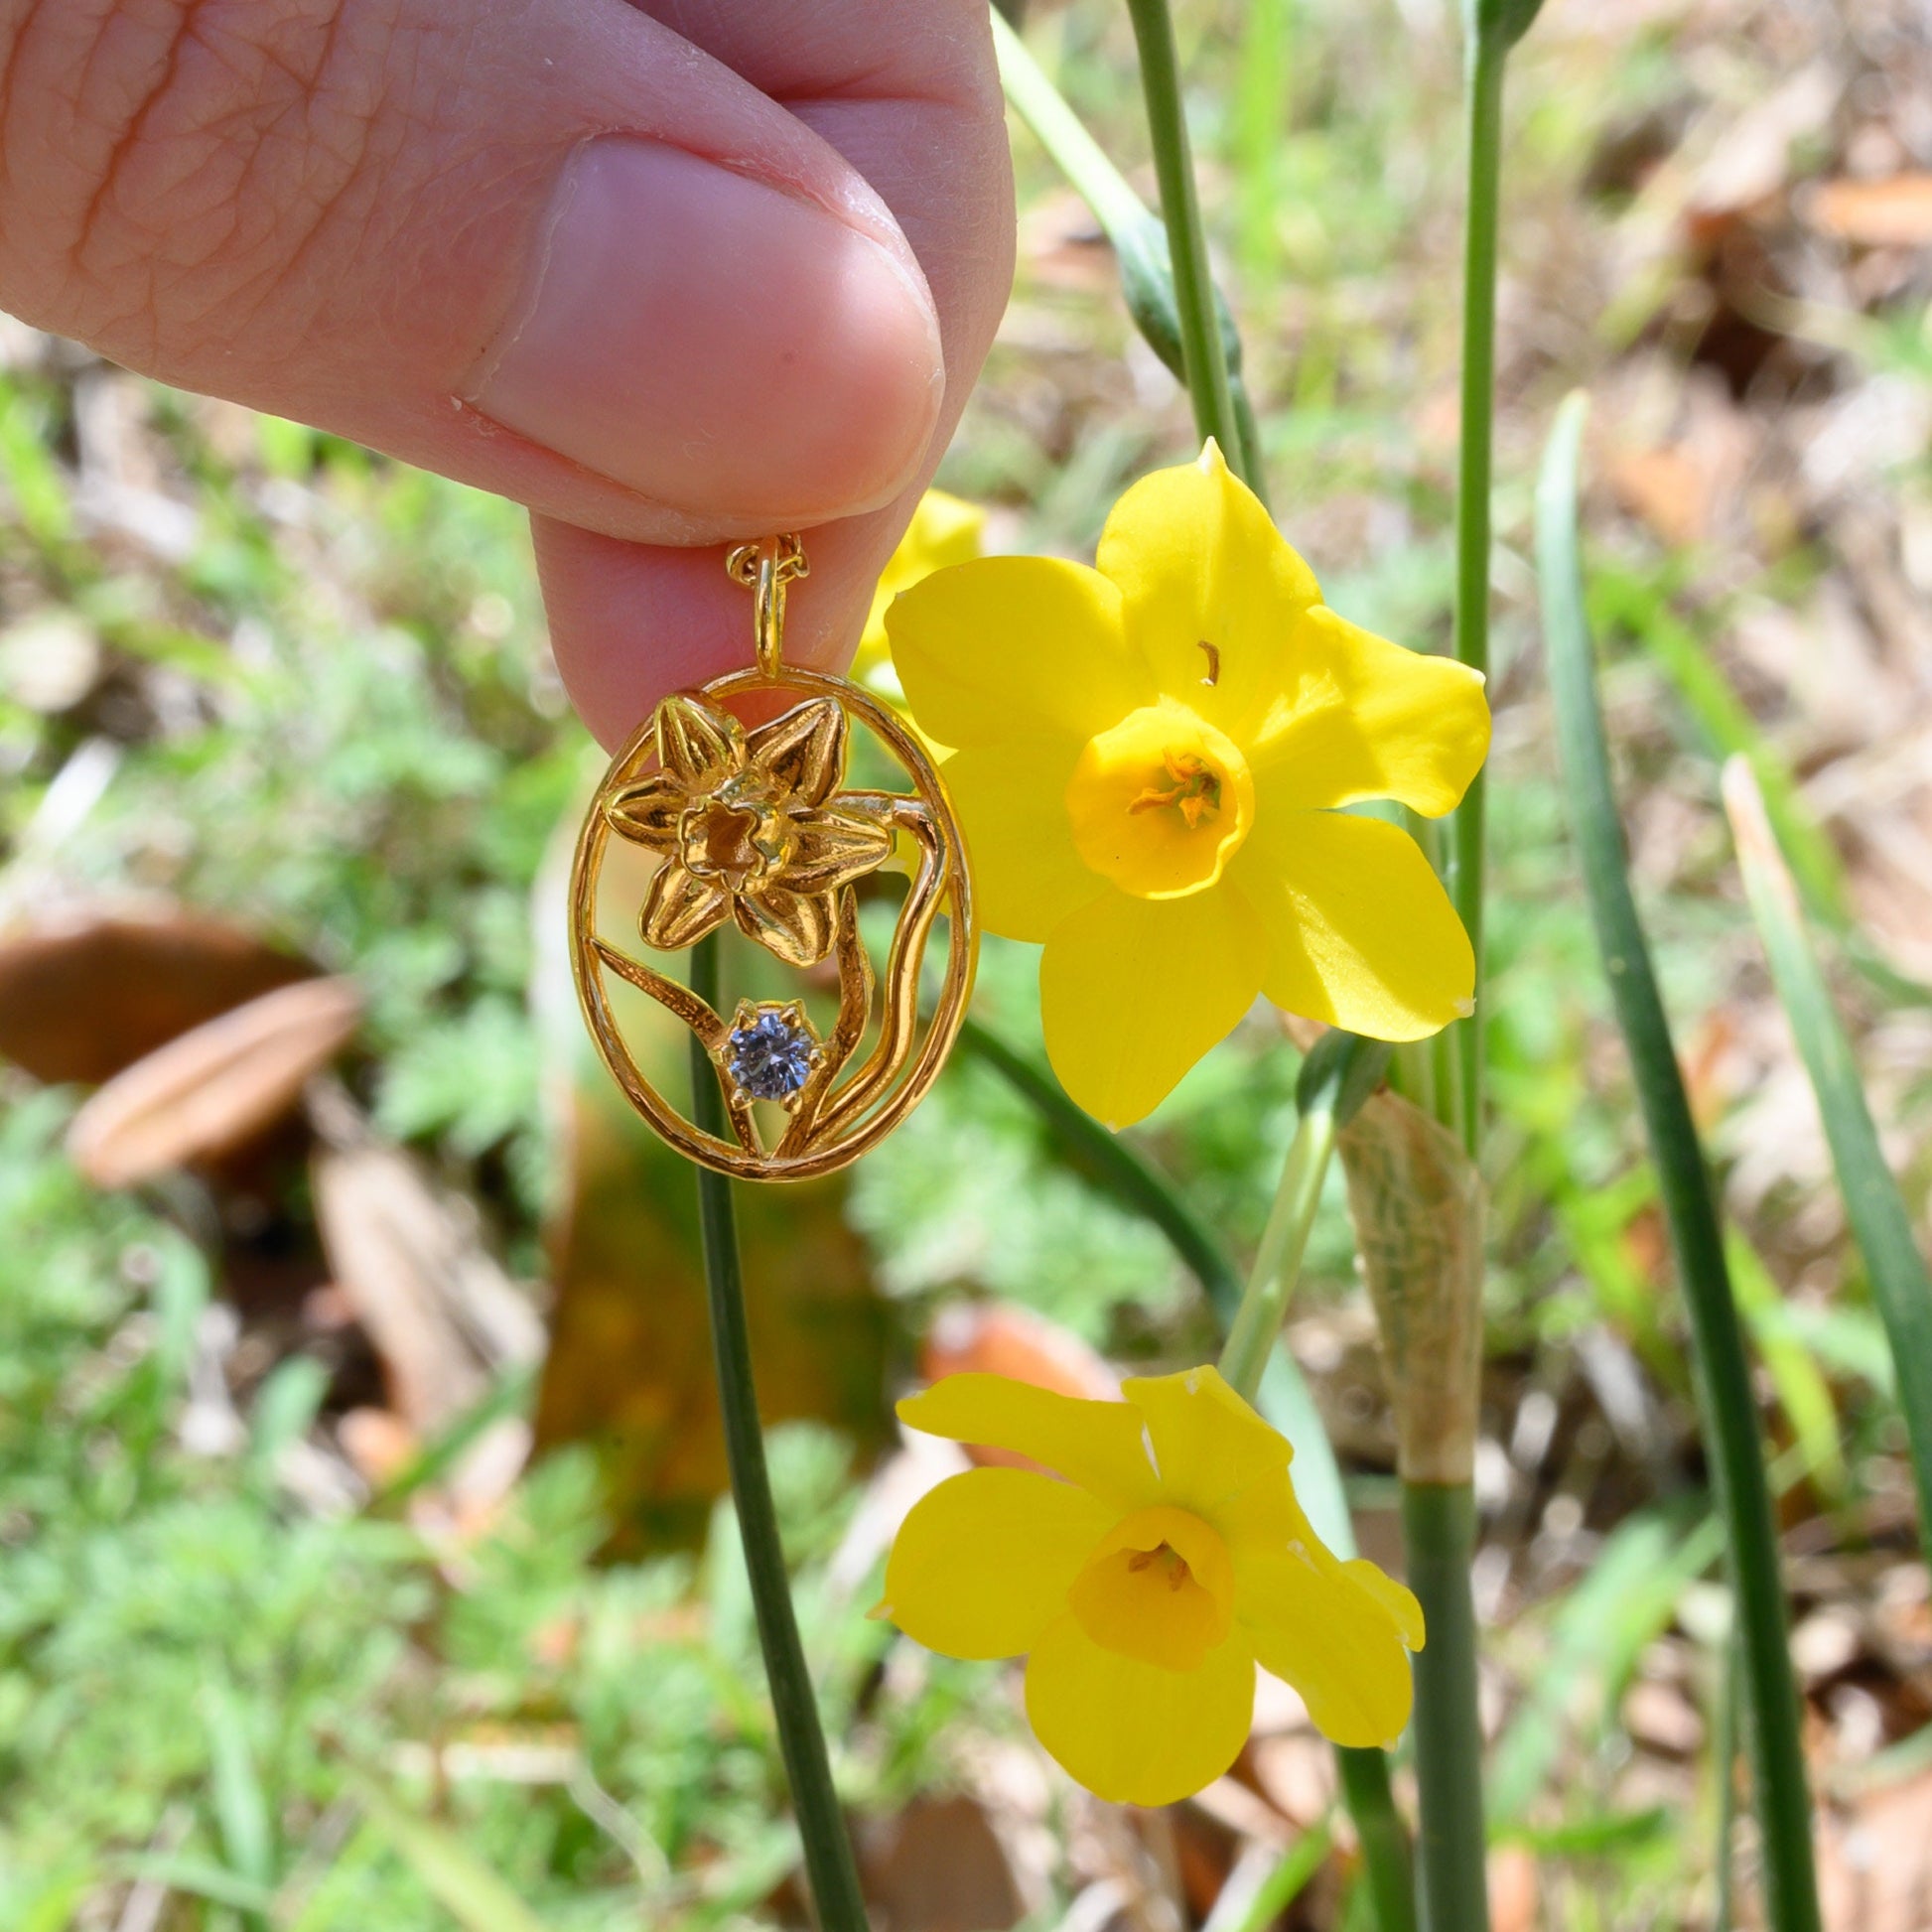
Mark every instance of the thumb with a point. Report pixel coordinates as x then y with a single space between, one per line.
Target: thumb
551 250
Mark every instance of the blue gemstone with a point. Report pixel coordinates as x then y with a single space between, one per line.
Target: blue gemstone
771 1057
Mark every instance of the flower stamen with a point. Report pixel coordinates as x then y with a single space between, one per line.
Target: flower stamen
1174 1563
1195 791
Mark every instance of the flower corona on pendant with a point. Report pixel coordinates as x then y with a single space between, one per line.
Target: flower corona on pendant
756 827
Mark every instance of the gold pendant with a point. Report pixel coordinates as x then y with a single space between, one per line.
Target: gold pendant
754 826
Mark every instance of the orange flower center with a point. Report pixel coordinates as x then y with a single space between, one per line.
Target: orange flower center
1161 801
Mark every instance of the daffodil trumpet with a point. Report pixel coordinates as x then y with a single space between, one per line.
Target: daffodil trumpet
1143 1578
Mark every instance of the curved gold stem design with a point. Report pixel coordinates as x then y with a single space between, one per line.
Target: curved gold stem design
901 1008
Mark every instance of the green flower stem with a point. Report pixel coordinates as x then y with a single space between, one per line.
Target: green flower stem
1135 232
1203 355
1280 1391
829 1867
1387 1857
1487 57
1339 1073
1722 1370
1439 1537
1879 1221
1257 1323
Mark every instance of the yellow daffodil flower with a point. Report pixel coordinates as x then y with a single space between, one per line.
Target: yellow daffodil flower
1146 1586
1151 758
944 531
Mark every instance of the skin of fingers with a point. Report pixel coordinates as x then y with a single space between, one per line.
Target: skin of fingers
909 95
338 210
353 213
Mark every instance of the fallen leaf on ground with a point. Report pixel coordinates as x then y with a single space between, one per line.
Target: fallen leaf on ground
215 1087
1893 214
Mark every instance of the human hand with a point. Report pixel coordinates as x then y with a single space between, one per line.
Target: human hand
671 274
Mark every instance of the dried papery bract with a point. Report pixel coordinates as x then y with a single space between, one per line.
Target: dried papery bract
1418 1205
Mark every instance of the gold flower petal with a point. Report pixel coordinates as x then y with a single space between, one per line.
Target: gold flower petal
647 812
796 927
836 845
699 744
805 750
679 909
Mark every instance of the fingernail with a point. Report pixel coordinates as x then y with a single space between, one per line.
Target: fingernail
715 344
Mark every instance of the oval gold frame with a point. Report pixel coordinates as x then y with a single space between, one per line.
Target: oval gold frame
839 1122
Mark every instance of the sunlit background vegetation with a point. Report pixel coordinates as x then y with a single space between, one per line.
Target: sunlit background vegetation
360 1565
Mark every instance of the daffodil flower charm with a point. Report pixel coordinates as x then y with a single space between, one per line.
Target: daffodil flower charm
1154 761
755 826
752 826
1145 1579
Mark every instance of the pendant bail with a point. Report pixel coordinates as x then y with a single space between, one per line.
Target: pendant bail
767 567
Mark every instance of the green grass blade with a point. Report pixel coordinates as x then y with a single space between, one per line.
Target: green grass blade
242 1809
1723 722
202 1878
1881 1224
28 473
1283 1885
473 1894
1596 1642
1722 1372
1792 1364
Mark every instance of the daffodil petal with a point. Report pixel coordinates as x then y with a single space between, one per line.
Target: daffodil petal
1208 1445
1338 1643
1359 930
983 1563
804 748
1097 1445
699 744
1397 1598
944 530
681 908
1134 1732
1210 590
649 811
1012 804
798 927
1009 645
1359 716
1134 991
836 846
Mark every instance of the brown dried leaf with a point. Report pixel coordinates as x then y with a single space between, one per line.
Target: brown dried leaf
214 1088
1513 1889
1666 487
440 1312
938 1865
1874 1859
85 995
1750 160
1895 214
